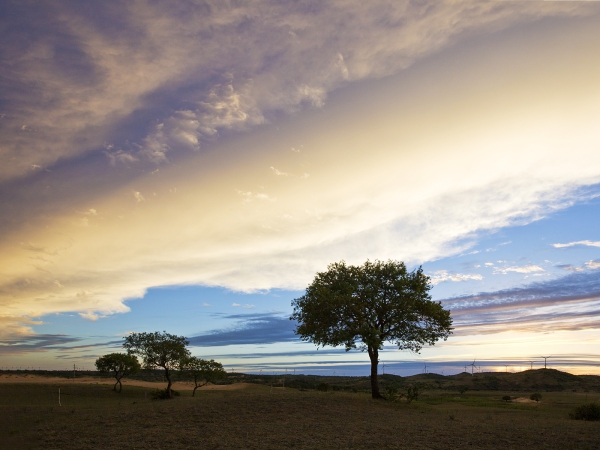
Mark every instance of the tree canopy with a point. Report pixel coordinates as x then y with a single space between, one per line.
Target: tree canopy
158 350
120 364
202 371
366 306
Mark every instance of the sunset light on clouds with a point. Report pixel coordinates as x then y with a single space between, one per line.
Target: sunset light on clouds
189 166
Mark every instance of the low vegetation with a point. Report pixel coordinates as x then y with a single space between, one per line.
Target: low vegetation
587 411
258 417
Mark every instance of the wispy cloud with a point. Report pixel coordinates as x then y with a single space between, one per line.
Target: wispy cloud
443 275
34 343
570 268
566 303
530 268
578 243
593 265
251 329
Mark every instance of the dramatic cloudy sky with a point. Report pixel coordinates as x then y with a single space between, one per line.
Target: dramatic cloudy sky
190 165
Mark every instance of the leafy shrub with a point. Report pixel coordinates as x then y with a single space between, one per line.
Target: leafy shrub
536 396
507 398
161 394
392 393
587 411
463 389
412 392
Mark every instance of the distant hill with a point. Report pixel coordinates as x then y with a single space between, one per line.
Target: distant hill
528 380
542 380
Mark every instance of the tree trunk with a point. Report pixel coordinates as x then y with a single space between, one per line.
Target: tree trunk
169 383
374 355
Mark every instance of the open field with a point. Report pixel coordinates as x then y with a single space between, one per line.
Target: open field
256 416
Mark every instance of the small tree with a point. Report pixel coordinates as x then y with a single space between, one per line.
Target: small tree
156 349
120 364
536 396
202 371
369 305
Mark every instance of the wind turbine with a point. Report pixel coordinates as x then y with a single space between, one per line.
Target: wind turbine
545 359
472 366
530 365
425 369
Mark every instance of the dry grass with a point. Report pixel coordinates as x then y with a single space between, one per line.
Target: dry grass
92 417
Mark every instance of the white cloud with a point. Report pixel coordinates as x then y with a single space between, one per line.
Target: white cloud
138 196
523 269
443 275
235 304
573 244
593 265
571 268
89 315
279 172
206 304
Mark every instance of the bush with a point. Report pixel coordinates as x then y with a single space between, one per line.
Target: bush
507 398
536 396
587 411
392 393
412 392
161 394
323 387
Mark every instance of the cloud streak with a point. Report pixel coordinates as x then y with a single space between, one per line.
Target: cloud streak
578 243
251 329
571 303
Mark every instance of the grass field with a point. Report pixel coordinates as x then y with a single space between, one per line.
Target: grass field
92 416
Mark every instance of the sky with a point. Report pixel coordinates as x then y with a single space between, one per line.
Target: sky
190 166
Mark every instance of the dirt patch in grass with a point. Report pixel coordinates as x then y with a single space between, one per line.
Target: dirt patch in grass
178 385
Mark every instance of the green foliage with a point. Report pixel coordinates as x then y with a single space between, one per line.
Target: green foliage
120 364
412 392
392 393
507 398
371 304
536 396
366 306
158 350
201 371
463 389
323 387
587 411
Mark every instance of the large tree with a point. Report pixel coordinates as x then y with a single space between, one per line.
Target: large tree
202 371
158 350
120 364
366 306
